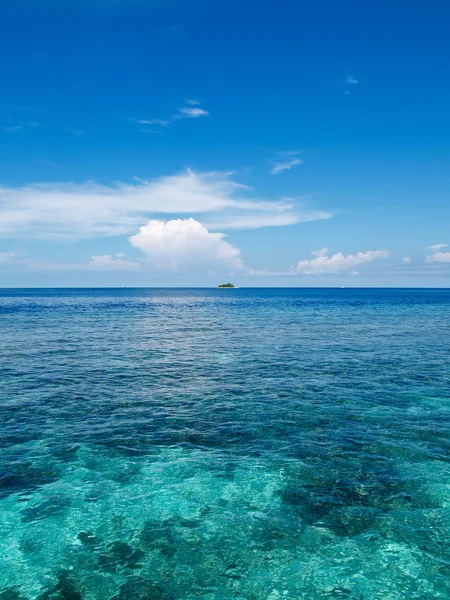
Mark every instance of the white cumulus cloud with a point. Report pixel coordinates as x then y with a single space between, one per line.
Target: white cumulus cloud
337 262
107 262
320 253
185 243
439 257
406 260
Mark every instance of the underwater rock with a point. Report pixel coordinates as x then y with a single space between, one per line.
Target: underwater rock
65 589
11 594
48 508
119 556
89 539
159 536
141 589
25 477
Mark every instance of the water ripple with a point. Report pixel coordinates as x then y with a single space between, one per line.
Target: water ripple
258 444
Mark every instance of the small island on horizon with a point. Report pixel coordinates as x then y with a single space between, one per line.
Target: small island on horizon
226 285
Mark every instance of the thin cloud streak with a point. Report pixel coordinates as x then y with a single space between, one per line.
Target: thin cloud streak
161 122
11 256
291 161
76 132
436 246
190 111
13 128
193 113
104 262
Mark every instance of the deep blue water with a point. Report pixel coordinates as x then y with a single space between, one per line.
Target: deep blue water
255 444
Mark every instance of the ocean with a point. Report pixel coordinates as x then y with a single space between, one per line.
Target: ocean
248 444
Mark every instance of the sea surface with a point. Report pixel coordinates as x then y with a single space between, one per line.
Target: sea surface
248 444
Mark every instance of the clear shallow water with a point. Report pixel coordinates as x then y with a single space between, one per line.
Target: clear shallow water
219 444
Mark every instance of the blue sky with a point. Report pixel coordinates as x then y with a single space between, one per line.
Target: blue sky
185 142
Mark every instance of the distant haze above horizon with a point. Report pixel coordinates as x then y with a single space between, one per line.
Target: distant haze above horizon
186 143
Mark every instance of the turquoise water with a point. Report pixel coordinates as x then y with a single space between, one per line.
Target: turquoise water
224 444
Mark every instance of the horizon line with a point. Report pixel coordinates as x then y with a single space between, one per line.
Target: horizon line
186 287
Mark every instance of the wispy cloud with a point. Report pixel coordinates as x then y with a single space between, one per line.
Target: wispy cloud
406 260
104 262
350 82
76 132
291 160
10 256
193 112
235 220
19 126
86 210
161 122
436 247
